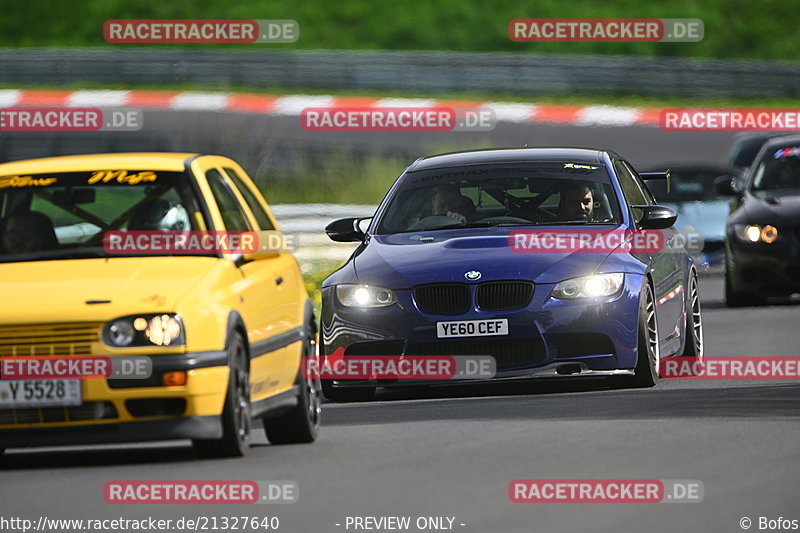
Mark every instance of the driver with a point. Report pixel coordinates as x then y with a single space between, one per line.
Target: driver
577 202
789 176
160 215
28 231
448 201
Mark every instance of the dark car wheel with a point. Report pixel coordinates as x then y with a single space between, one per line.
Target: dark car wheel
735 298
301 423
694 321
360 394
2 450
646 372
236 420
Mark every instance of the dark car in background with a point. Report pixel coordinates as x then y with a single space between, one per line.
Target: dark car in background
701 210
762 236
746 146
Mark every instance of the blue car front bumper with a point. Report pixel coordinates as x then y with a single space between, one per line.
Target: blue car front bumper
546 338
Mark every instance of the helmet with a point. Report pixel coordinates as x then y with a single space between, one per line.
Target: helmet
160 215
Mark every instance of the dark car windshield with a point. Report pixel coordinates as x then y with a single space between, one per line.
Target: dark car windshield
688 185
523 194
745 150
779 169
65 215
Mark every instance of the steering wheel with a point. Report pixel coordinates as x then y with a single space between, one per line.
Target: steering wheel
505 219
432 222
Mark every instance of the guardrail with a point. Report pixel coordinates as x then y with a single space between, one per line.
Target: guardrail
405 71
306 223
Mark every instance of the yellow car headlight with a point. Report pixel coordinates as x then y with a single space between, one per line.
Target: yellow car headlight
163 329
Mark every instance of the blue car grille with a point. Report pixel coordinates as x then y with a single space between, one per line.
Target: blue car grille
455 298
508 354
503 295
443 298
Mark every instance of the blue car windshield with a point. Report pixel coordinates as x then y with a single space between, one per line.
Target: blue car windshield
523 194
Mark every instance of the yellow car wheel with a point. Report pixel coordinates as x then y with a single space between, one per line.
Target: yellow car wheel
301 423
236 419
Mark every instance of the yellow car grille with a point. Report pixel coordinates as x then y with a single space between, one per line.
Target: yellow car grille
49 339
42 415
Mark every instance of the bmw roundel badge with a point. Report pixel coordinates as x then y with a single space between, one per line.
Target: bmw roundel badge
472 275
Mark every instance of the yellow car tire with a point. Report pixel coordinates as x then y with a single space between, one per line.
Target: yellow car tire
301 423
236 418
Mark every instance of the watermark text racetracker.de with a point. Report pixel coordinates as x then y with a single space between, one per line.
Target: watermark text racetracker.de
384 118
338 366
195 242
688 240
70 119
731 368
606 491
74 367
605 30
200 492
137 31
729 120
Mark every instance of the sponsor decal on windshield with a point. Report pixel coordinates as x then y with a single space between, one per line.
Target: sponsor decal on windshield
121 176
793 151
580 166
25 181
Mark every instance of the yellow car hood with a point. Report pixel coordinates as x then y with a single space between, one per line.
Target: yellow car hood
79 290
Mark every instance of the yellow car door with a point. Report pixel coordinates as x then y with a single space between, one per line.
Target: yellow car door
258 292
291 289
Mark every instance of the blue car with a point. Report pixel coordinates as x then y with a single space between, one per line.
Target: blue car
438 272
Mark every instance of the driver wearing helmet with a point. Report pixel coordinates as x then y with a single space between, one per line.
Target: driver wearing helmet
160 215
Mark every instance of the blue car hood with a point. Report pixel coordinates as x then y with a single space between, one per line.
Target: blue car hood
401 261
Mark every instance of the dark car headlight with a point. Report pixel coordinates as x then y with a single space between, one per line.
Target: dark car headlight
594 286
753 233
352 295
163 329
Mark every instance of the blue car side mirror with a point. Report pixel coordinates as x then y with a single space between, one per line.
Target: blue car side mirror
656 216
345 230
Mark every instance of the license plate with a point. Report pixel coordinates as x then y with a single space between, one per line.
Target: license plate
472 328
15 393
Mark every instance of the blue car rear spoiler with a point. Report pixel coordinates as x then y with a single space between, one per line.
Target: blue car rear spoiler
661 175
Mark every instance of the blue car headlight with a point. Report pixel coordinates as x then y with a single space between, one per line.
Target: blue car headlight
594 286
351 295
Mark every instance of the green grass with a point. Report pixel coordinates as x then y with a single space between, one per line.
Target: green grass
313 276
768 29
345 178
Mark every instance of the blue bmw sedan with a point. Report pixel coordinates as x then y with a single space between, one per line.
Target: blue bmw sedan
444 268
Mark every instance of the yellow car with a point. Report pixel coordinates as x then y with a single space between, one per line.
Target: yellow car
223 332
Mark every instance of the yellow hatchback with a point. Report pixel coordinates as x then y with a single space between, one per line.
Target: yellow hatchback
223 332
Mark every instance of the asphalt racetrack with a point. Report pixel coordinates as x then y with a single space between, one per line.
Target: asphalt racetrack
453 452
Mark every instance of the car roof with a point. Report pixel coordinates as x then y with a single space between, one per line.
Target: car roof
508 155
777 142
164 161
689 167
